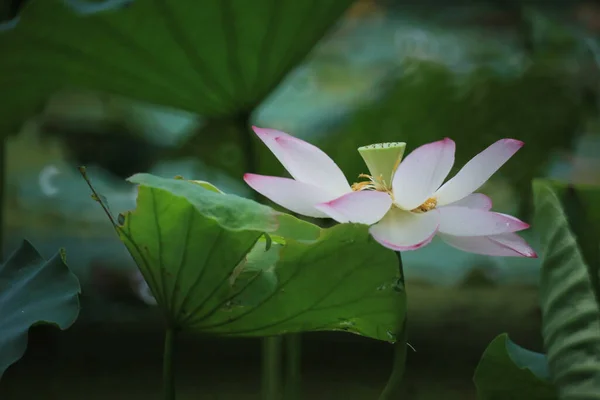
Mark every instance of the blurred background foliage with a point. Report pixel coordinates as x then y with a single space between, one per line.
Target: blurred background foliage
389 70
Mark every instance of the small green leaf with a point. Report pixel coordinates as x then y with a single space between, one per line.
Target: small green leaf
204 257
571 317
33 291
508 371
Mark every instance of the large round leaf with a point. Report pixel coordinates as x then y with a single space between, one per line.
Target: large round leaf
508 371
571 316
200 252
33 291
212 57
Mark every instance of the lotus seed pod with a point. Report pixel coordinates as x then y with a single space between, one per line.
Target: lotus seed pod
382 159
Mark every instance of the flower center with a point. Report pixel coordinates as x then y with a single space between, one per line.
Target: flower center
370 184
428 205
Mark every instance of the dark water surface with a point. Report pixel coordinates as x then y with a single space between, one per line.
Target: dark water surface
96 365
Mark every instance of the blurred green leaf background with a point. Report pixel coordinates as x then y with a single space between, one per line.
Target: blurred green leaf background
171 98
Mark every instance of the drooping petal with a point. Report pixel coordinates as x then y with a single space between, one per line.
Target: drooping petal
505 244
477 171
422 172
304 161
463 221
296 196
403 230
474 200
364 207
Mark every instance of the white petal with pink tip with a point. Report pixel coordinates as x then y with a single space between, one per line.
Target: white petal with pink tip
477 171
365 207
422 172
296 196
463 221
474 200
504 245
462 218
403 230
304 161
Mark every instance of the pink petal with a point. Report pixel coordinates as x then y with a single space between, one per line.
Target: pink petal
422 172
304 161
296 196
475 200
506 244
364 207
403 230
463 221
477 171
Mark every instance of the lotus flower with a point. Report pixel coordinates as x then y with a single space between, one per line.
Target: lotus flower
317 180
405 201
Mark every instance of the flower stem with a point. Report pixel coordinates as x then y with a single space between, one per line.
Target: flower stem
394 388
293 345
168 375
271 367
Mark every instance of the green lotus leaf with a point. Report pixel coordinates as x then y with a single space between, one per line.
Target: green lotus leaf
508 371
570 312
225 265
33 291
211 57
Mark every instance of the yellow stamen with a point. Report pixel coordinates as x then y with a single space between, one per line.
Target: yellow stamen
370 184
429 205
358 186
